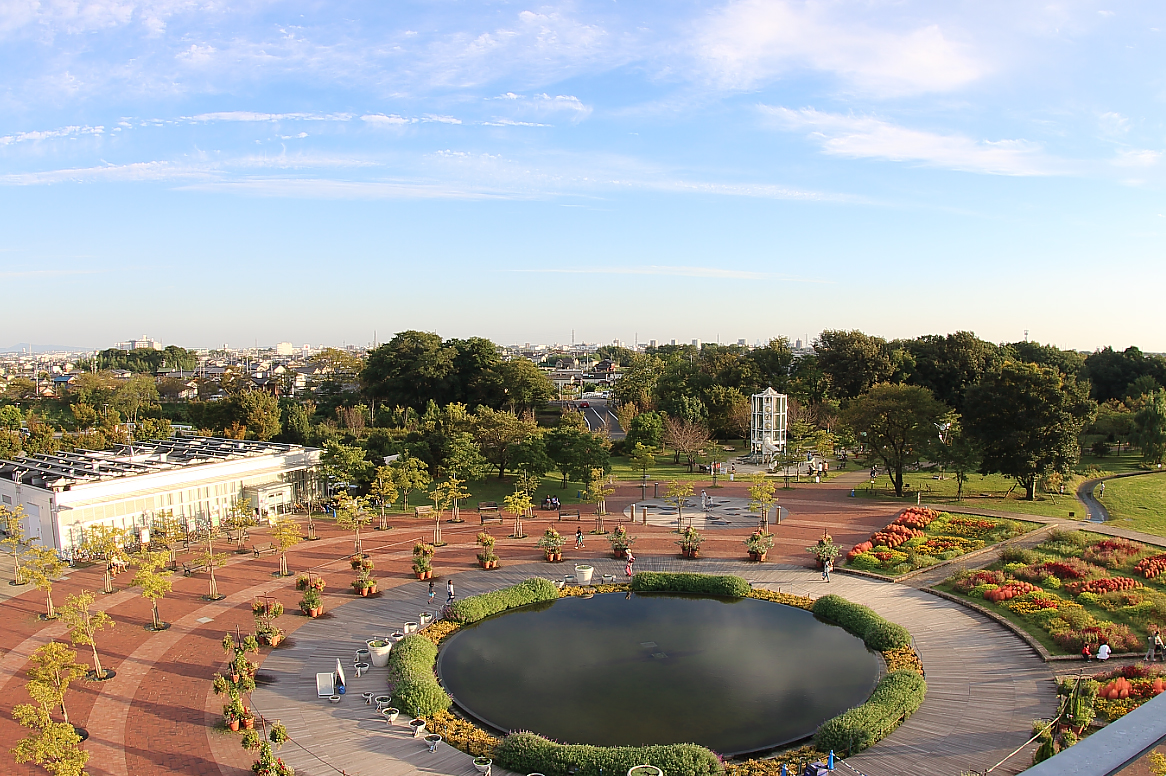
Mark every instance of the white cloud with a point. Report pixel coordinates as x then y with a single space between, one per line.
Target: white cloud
750 42
1113 123
861 137
1137 157
441 119
382 119
50 134
243 115
512 123
139 171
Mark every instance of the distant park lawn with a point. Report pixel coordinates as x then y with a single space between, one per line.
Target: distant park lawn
1138 502
980 492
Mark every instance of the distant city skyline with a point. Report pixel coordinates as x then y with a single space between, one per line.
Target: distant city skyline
230 173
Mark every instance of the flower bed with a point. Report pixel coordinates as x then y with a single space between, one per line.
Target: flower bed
1074 589
920 537
1124 689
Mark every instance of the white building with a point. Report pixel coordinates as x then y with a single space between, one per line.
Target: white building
284 349
767 424
197 479
142 343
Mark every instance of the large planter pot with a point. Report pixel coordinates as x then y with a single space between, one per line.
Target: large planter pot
554 557
583 574
482 764
396 636
758 556
645 770
425 618
390 714
620 553
379 651
691 554
424 574
249 723
410 627
233 724
418 726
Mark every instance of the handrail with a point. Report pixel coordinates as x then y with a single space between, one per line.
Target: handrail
1109 750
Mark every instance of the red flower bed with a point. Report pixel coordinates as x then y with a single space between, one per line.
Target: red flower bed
1009 591
970 526
1118 637
1112 553
859 549
980 578
1068 569
1151 567
1103 586
916 517
894 535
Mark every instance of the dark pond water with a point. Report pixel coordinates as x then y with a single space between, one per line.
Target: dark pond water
736 675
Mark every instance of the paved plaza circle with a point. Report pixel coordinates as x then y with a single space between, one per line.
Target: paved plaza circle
710 512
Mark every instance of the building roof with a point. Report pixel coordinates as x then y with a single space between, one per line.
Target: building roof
59 470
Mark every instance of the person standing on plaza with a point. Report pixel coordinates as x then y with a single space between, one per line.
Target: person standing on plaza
1160 647
631 559
578 537
449 591
432 591
827 567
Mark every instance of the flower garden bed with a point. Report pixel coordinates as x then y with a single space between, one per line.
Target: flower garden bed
896 697
1075 588
920 537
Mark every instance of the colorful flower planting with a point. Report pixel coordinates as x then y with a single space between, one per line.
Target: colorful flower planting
1124 689
921 537
1076 589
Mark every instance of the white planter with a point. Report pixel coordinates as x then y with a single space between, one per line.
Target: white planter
609 579
361 669
410 627
481 767
380 654
645 770
397 636
382 702
334 699
425 618
391 714
362 656
583 574
418 726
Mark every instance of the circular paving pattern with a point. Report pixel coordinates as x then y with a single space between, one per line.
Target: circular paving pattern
720 512
735 675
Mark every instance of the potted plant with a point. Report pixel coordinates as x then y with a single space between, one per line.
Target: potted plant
486 558
551 543
364 584
361 561
310 581
583 574
311 604
620 541
266 610
824 550
482 764
379 652
233 714
690 542
758 545
423 560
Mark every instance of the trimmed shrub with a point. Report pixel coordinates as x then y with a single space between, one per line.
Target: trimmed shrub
862 621
530 753
415 687
897 697
704 584
1019 555
479 607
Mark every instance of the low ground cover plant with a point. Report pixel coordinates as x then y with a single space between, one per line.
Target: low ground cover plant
479 607
1075 588
921 537
703 584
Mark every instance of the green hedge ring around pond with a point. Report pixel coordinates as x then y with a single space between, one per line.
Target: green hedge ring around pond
897 696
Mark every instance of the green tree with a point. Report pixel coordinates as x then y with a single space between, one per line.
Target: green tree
518 504
947 365
12 520
598 489
773 363
1026 420
258 411
155 582
642 457
11 417
530 457
285 534
1150 428
107 542
410 474
853 361
898 421
383 490
54 746
84 625
345 463
138 393
42 566
411 369
676 495
152 428
497 432
351 516
646 428
762 498
526 387
463 457
53 668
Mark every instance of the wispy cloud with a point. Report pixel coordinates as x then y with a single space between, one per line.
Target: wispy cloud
23 137
863 137
667 271
750 42
512 123
243 115
383 120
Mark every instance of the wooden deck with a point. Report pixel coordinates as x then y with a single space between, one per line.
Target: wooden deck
984 685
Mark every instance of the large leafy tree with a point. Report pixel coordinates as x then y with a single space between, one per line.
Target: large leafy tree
853 361
773 364
477 378
1111 373
1150 428
1026 419
896 422
497 432
526 387
947 365
411 369
575 453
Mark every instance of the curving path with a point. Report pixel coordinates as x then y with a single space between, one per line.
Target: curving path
985 686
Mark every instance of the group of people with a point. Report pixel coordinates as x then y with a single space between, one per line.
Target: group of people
1157 648
1103 652
551 502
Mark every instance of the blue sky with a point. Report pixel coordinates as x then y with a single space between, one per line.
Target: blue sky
214 173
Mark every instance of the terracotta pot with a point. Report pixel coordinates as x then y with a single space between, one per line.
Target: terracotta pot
316 612
620 554
424 574
364 592
249 723
372 589
233 724
757 556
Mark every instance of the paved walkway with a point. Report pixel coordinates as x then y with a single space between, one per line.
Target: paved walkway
985 686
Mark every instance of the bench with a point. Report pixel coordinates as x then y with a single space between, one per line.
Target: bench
237 537
563 514
192 568
259 549
422 511
488 510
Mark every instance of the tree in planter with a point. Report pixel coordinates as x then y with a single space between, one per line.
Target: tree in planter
286 534
267 764
642 458
597 491
54 667
155 582
351 516
171 531
212 561
55 746
456 492
42 565
311 604
423 559
107 542
440 498
761 498
690 542
551 543
518 504
383 491
410 474
715 454
238 515
676 495
486 557
13 537
84 625
620 541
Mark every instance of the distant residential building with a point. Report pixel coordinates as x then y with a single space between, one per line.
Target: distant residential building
285 349
142 343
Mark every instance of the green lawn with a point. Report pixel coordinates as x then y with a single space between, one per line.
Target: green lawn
980 491
1114 463
1138 502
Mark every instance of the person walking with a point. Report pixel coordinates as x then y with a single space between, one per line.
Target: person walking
432 592
1160 647
449 591
1101 492
578 537
827 567
704 501
1150 646
631 559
